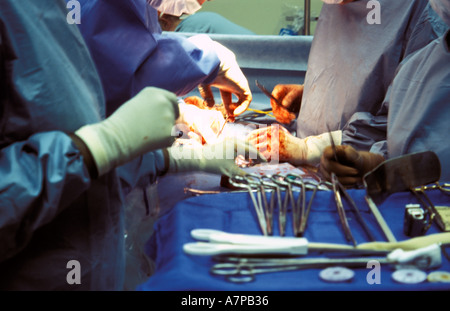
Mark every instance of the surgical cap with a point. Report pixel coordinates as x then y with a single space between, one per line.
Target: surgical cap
176 7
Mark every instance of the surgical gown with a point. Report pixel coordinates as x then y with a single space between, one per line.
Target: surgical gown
59 230
419 105
365 129
352 62
130 51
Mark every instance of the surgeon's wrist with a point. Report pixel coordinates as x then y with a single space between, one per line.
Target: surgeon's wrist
88 159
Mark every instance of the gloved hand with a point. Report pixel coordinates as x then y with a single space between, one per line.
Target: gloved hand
352 165
216 159
230 79
276 144
142 124
290 98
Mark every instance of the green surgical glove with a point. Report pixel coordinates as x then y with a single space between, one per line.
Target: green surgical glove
216 159
142 124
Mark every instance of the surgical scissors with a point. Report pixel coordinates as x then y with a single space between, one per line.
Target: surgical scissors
243 270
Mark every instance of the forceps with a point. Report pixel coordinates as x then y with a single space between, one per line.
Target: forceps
445 187
268 206
304 211
433 212
341 211
247 183
279 180
360 219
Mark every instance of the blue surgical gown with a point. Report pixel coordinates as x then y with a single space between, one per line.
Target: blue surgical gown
352 62
365 129
51 212
419 105
130 51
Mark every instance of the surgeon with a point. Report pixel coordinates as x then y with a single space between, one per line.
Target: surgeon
130 52
418 110
61 203
356 49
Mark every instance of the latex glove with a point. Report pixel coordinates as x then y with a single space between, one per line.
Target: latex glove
352 165
290 97
142 124
216 159
230 79
277 144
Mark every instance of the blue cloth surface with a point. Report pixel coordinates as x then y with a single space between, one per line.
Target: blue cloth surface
234 213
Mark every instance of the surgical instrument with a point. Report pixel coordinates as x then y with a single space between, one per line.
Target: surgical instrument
341 211
445 187
267 93
268 206
279 180
298 181
399 174
216 242
243 269
437 214
223 126
244 182
333 145
355 208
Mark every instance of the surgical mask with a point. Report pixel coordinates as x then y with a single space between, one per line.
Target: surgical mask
175 7
442 8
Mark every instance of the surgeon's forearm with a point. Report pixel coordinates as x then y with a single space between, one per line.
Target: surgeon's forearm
45 175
